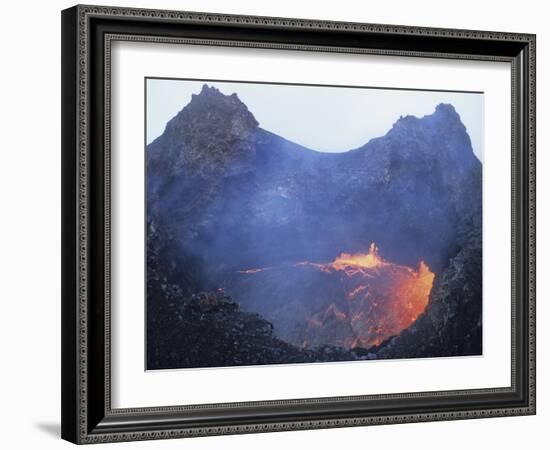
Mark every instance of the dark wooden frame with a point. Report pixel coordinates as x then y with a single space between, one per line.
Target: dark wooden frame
87 32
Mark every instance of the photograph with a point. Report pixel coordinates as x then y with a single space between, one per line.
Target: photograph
295 223
273 222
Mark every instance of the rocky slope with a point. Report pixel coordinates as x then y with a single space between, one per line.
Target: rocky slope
208 329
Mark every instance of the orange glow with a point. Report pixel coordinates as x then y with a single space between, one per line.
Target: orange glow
416 289
378 299
359 260
381 300
351 263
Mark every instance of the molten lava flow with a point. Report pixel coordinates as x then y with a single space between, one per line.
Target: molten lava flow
351 263
368 260
417 290
380 300
356 300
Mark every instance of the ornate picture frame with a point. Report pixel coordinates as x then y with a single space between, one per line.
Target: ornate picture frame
88 33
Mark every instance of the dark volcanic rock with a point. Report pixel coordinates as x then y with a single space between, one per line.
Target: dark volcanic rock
209 330
205 138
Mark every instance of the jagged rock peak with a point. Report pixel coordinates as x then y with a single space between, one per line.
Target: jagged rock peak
443 125
212 105
209 90
446 114
443 111
209 93
446 108
211 132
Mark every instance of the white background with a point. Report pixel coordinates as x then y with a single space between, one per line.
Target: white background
132 387
30 190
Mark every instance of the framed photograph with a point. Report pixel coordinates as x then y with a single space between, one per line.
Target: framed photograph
280 224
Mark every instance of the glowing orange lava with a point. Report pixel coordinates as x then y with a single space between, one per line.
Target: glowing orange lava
369 299
351 263
416 291
382 299
359 260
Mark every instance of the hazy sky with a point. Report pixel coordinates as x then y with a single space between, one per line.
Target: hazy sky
326 119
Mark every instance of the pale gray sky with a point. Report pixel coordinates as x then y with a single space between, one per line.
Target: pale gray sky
326 119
